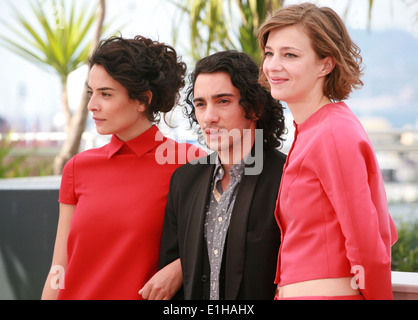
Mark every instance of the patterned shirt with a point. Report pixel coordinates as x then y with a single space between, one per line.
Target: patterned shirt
218 216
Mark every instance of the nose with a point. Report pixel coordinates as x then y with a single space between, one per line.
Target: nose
272 63
211 115
92 105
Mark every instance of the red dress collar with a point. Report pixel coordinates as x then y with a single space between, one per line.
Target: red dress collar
139 145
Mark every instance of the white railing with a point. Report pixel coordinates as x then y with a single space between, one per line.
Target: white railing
405 285
397 140
89 139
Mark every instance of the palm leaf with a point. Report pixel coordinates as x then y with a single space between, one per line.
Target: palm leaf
64 47
212 27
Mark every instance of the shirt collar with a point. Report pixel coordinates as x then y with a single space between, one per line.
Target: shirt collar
219 170
139 145
236 170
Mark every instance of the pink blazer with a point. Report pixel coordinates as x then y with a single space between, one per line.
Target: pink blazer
332 207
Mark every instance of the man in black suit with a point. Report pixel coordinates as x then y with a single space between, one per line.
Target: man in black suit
219 217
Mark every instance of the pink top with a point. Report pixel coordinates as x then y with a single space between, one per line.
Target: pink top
332 206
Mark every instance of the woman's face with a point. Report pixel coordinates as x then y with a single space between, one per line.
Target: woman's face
291 66
114 112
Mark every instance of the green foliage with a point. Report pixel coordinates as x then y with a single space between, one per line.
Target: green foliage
54 37
213 29
10 169
253 14
208 26
405 250
56 40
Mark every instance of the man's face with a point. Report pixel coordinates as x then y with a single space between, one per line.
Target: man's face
218 112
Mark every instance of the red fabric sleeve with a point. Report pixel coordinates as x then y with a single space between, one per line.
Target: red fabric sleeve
67 194
351 178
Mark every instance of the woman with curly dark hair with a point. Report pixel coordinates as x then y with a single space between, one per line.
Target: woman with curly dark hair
112 199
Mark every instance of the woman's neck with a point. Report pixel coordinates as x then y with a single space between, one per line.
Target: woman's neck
301 111
135 132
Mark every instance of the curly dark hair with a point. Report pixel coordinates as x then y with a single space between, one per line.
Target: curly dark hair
254 98
141 64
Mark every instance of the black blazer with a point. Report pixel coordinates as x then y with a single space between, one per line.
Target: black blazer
253 238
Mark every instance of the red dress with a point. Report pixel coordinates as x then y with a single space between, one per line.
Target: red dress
120 195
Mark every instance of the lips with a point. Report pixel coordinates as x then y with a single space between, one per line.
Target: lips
213 132
278 80
98 120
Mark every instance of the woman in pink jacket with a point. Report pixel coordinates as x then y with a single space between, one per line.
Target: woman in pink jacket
332 209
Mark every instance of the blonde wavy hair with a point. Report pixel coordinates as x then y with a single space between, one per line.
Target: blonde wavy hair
329 38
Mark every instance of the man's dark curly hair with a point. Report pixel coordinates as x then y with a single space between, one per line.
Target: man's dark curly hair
256 100
141 64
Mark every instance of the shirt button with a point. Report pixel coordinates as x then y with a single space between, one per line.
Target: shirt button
220 219
216 252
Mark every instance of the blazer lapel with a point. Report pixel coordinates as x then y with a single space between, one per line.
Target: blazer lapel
194 236
237 236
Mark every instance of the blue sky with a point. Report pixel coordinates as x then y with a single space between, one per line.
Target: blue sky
26 89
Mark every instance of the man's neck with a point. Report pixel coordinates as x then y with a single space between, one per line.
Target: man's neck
237 151
233 156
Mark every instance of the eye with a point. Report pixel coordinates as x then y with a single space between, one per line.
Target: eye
290 55
105 94
199 104
89 93
268 54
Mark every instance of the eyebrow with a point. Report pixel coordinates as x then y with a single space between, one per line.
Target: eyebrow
284 48
101 89
216 96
